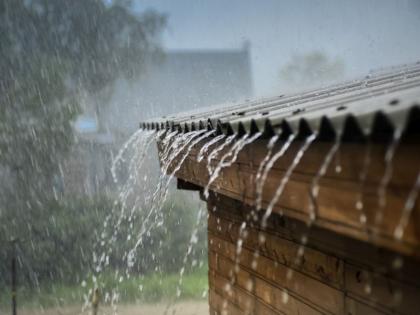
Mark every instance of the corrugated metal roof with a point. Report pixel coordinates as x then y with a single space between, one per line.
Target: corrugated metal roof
375 104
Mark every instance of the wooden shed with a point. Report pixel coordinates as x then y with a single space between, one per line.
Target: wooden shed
311 198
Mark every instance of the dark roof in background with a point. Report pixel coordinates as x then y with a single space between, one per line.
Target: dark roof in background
375 105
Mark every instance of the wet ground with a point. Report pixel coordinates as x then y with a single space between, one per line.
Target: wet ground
181 308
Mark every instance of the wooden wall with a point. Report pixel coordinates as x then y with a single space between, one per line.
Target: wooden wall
335 274
338 192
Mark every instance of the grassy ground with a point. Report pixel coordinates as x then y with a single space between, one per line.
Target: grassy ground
145 290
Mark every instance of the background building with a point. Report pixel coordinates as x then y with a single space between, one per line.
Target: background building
177 81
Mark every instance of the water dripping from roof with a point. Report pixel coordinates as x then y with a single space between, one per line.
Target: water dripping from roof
408 209
386 178
213 154
286 178
185 142
265 160
206 147
268 167
362 180
314 188
233 153
193 240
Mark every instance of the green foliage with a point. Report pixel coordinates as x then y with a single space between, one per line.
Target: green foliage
56 242
97 42
59 240
50 51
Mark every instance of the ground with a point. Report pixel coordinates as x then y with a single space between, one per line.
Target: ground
181 308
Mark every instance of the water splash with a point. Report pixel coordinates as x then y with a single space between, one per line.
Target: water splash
268 167
213 154
135 150
161 192
362 180
140 143
172 144
192 242
168 181
270 146
314 189
408 209
265 160
386 178
206 147
119 157
233 153
286 178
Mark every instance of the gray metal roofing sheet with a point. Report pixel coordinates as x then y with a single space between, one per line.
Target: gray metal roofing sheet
393 95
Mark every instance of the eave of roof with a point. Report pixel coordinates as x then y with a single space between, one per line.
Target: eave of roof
385 101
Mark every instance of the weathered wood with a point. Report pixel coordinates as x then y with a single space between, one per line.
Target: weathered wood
381 291
308 289
347 262
316 264
352 251
354 307
338 193
347 284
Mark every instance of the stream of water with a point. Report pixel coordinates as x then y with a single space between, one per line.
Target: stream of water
141 204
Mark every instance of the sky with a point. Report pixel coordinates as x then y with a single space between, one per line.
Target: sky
365 35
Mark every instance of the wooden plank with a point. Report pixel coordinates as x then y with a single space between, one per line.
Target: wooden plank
241 298
267 297
387 293
221 305
350 156
380 290
338 214
338 191
313 291
350 250
264 291
354 307
326 268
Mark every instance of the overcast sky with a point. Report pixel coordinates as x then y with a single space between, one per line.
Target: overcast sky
365 34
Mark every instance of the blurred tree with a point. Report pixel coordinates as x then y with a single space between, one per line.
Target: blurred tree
311 70
50 51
